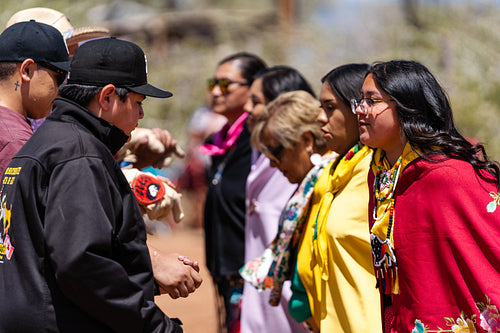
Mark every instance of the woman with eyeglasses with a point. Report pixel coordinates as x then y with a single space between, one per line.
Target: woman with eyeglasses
224 216
334 261
267 193
291 138
435 223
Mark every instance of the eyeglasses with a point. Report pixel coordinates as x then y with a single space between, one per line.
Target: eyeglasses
60 74
223 84
367 106
274 154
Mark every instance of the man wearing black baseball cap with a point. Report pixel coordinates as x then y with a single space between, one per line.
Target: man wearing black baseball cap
113 61
33 63
74 256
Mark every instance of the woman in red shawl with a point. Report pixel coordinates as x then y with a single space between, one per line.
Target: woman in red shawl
435 224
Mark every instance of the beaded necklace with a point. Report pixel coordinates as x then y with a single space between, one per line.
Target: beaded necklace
384 188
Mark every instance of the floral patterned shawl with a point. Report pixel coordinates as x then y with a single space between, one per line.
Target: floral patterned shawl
274 266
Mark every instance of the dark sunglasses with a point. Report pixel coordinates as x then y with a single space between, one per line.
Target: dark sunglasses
273 154
60 74
276 151
223 84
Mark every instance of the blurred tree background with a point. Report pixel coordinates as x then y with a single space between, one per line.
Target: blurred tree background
184 39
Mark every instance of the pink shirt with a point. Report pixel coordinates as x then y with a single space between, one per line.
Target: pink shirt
15 130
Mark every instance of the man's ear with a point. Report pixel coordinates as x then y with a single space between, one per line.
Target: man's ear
27 69
106 96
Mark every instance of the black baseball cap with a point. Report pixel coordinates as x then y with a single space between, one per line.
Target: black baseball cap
113 61
34 40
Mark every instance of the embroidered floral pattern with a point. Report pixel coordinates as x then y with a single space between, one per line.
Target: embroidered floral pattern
292 213
460 325
490 317
419 327
489 321
463 326
492 206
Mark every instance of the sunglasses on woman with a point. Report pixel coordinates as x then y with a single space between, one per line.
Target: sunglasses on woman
223 84
273 154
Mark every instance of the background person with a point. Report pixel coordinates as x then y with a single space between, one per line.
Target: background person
33 63
73 36
267 192
334 261
61 22
224 215
78 255
192 180
435 221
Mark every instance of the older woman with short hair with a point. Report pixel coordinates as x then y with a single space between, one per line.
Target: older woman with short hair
290 136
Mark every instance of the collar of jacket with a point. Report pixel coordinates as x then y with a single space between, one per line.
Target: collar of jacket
69 111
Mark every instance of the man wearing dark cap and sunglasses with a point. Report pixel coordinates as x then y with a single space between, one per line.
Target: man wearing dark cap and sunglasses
33 63
74 256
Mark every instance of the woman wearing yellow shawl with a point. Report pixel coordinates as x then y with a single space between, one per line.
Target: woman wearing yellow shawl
334 258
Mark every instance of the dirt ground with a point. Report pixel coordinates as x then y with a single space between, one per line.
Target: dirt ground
197 311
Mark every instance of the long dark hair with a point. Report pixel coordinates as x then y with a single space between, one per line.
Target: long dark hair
425 113
249 64
347 80
280 79
276 81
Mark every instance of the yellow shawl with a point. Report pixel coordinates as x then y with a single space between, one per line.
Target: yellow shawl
334 263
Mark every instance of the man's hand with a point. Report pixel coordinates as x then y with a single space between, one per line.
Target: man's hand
176 275
146 156
189 262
